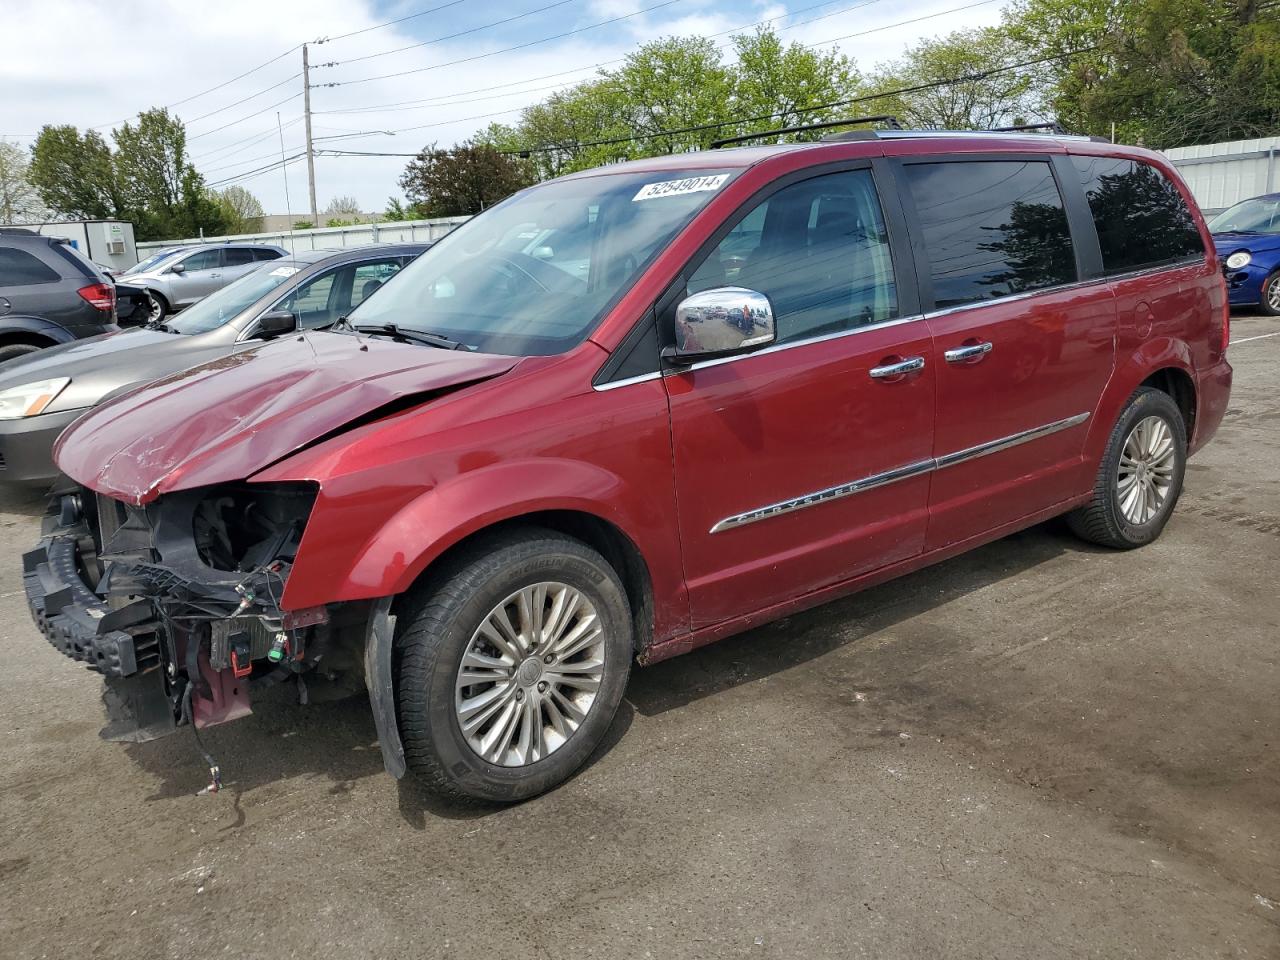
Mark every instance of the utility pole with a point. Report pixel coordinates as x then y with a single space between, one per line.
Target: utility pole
311 157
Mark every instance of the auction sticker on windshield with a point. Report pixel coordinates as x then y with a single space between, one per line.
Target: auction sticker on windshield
284 271
671 188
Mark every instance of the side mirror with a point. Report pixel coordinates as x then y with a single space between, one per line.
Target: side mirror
277 322
178 268
720 322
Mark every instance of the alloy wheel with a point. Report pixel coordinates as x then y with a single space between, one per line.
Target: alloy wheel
155 309
530 674
1145 475
1273 294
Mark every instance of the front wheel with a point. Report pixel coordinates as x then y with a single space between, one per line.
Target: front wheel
1269 302
510 669
1140 477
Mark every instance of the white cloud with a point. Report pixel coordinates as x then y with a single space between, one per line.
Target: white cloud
159 54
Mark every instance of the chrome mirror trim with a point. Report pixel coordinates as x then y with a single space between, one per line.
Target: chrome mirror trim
722 321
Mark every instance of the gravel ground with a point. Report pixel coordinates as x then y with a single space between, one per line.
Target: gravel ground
1035 750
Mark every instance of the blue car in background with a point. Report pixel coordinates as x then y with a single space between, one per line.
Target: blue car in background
1248 240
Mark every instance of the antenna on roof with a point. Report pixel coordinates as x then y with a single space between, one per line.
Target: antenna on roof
891 122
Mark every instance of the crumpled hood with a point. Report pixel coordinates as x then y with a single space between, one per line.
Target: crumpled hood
229 418
1226 243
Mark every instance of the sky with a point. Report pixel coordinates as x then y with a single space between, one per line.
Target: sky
227 68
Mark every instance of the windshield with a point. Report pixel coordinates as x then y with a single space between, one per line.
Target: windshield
225 304
533 275
151 261
1259 215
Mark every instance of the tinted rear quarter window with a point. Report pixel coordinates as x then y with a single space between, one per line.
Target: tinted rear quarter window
991 228
1141 217
17 268
238 256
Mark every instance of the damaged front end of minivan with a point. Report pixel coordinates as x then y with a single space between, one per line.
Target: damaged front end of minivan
177 602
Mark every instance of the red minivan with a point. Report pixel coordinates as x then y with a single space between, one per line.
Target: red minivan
631 411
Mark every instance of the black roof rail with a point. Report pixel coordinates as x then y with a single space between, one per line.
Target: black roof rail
888 120
1054 127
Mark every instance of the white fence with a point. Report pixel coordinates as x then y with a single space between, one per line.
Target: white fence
327 238
1221 174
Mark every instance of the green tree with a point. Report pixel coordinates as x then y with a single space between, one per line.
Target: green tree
19 199
1165 72
75 174
240 209
981 100
779 82
166 196
463 180
399 210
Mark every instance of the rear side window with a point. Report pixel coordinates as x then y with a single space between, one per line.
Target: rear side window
818 250
261 254
991 228
238 256
1141 217
17 267
204 260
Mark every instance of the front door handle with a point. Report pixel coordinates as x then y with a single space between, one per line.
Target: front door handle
968 352
890 370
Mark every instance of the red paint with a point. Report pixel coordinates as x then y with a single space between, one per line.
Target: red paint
496 438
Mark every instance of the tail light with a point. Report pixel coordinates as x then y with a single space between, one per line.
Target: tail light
102 296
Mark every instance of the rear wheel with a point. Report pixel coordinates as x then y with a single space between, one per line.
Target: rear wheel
1140 477
9 351
1270 300
510 670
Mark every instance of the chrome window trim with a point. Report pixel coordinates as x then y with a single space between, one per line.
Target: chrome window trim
615 384
897 473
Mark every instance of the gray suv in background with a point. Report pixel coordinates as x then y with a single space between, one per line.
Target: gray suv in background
49 293
178 277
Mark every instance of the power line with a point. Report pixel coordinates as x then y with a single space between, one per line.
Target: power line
247 116
252 96
485 116
276 165
379 26
241 163
865 98
445 100
451 36
251 140
519 46
195 96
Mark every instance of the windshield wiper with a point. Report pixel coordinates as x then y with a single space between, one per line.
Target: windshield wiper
416 336
161 326
342 323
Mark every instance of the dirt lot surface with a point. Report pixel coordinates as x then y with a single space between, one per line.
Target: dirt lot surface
1036 750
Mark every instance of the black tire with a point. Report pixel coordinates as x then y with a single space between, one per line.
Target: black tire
436 627
1269 302
12 350
157 307
1103 520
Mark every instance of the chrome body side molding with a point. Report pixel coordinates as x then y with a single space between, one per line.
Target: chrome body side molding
897 473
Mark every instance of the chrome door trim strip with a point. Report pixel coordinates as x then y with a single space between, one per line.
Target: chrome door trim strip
822 496
897 473
1013 440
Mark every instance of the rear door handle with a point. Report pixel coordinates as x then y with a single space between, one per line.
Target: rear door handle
969 352
889 370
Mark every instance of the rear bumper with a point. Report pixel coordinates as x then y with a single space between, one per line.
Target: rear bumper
26 446
1214 394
